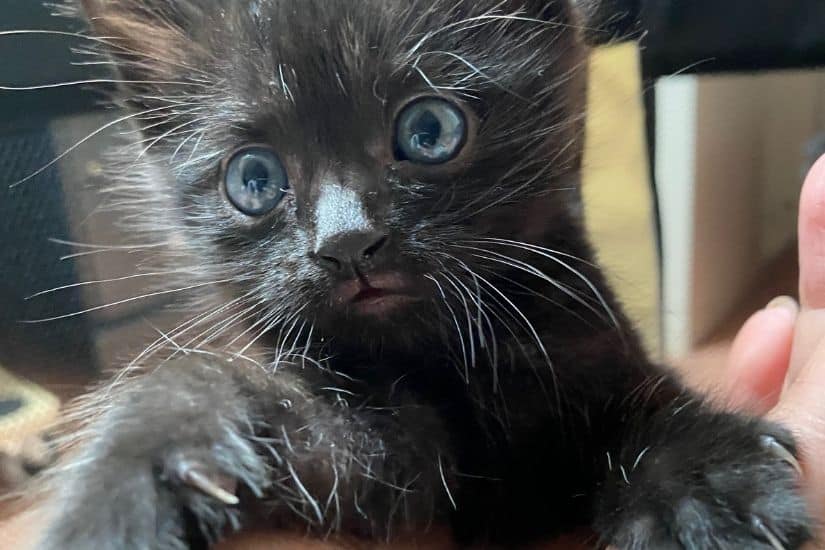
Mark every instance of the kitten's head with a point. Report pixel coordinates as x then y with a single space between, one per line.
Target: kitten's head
342 162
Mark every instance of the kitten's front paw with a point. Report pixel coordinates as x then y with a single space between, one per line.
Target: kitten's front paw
120 503
162 468
731 490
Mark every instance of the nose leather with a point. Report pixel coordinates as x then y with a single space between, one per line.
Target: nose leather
362 250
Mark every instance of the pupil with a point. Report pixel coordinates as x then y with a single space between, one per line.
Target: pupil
426 131
255 176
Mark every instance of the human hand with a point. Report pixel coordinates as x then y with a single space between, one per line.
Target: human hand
777 363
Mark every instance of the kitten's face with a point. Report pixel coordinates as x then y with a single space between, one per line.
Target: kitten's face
340 159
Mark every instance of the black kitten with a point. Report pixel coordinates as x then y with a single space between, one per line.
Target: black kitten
403 325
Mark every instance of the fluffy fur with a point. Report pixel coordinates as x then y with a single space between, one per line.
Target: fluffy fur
512 402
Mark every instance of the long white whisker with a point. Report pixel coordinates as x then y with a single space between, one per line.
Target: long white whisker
107 247
170 132
283 337
532 270
215 331
522 244
35 87
457 325
185 327
460 295
109 41
125 301
553 256
535 293
527 324
100 282
266 319
74 147
491 344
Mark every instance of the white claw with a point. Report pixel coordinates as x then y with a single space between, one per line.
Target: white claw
772 538
196 479
772 445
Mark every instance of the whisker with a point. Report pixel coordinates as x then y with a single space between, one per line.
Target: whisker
265 320
553 256
70 83
184 141
185 327
527 325
217 329
490 345
101 281
537 294
282 337
521 244
125 301
457 325
525 267
463 299
108 246
74 147
170 132
108 41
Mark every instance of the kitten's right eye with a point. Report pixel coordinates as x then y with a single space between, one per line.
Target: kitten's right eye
255 180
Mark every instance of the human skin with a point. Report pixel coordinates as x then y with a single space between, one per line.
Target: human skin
777 363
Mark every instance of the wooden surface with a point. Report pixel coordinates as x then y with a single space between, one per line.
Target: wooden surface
20 533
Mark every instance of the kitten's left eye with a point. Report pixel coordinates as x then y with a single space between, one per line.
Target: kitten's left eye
430 131
255 180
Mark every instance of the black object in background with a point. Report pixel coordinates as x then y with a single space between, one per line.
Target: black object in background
33 213
732 35
717 35
35 59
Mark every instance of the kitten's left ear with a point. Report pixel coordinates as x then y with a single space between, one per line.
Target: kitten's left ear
147 38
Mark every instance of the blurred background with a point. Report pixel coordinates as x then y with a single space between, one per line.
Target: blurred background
704 116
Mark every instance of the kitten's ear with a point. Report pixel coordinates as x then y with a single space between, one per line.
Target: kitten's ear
546 10
147 38
601 21
608 20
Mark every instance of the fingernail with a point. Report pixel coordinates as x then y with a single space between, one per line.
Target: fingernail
784 303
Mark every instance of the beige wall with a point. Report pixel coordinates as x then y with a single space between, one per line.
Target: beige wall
747 135
617 190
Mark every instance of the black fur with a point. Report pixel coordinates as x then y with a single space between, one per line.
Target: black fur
512 401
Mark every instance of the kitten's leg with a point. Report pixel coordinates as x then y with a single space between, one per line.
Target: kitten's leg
687 476
170 448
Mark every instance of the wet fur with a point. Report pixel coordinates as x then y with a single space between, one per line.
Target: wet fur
514 404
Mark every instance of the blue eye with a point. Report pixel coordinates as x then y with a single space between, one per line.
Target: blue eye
430 131
255 180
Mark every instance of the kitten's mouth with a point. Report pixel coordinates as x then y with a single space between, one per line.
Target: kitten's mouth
374 294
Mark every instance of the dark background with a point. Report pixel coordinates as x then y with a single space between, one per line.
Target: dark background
33 213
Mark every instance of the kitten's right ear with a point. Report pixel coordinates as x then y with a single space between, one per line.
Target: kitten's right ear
147 38
600 21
